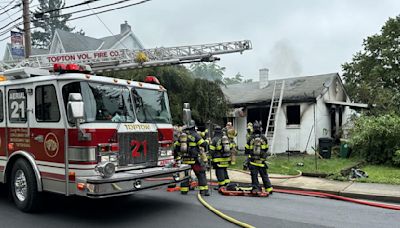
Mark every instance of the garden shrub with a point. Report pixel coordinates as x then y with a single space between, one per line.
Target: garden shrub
377 138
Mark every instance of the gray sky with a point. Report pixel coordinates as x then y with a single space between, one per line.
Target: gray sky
290 37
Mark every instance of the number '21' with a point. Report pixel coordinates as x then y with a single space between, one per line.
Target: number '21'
135 144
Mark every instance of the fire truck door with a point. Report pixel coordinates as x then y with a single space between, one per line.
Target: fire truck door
3 143
48 130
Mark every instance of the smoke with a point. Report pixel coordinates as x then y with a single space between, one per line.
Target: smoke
283 60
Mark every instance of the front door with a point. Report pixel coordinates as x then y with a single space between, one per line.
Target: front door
48 132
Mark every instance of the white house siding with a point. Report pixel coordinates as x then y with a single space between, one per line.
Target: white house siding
298 134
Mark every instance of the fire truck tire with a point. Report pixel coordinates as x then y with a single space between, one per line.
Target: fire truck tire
24 187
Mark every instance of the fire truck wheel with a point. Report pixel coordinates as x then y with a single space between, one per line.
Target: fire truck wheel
24 187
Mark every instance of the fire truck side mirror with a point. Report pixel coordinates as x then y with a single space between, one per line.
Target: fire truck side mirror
75 107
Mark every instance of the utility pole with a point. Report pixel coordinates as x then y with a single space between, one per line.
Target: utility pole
27 28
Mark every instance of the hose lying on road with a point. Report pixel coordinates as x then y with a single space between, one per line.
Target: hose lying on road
332 196
222 215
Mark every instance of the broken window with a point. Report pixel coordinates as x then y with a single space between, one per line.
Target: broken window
293 114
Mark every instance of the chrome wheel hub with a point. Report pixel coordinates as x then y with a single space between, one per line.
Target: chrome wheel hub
20 184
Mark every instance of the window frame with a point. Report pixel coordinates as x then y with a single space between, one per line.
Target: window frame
10 119
57 104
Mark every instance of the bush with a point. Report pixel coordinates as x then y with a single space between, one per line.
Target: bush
377 139
396 158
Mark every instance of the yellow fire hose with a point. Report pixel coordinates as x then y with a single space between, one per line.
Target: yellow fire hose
222 215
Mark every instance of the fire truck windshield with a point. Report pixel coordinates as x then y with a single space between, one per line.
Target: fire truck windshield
103 102
152 106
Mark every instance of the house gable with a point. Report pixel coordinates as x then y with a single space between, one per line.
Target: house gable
128 41
56 44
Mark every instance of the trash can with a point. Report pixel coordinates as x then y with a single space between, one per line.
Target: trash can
344 148
325 147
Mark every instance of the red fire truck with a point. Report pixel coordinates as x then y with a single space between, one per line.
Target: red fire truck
75 133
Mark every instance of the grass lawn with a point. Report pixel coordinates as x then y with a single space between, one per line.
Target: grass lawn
332 167
381 174
283 165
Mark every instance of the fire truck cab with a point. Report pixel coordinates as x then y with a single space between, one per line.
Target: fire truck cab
74 133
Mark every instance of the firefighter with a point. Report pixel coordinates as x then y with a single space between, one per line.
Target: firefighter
232 133
257 150
189 149
249 130
220 151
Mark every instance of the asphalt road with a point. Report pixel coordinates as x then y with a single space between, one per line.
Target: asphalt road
158 208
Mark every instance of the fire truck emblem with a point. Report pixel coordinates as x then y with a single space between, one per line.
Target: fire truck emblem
51 145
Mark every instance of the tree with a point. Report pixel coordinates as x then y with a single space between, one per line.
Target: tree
373 75
209 71
236 80
205 97
49 22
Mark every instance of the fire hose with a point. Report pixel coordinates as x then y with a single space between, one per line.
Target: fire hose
322 194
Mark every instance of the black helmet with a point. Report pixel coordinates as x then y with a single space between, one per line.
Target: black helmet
257 126
217 128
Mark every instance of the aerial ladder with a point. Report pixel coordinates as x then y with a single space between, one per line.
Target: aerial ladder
123 59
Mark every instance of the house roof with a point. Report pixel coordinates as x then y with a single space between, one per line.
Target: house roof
296 89
110 41
76 42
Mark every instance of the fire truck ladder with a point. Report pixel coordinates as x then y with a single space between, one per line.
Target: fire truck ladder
122 59
274 111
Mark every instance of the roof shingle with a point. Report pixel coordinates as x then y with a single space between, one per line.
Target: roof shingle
296 89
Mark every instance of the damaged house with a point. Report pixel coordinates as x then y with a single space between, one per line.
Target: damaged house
312 107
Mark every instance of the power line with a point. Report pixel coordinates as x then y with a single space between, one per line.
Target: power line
106 26
40 14
84 10
108 10
15 6
11 2
79 11
75 18
9 16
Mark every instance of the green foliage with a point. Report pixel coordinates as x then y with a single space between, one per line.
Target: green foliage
376 139
209 71
376 70
282 165
396 158
49 22
205 97
384 174
236 80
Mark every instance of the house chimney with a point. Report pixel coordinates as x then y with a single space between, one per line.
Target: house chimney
125 27
263 78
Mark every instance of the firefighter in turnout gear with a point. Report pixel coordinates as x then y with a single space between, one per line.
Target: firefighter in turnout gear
189 149
257 150
231 133
220 151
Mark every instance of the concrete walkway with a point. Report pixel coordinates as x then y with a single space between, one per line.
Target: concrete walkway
378 192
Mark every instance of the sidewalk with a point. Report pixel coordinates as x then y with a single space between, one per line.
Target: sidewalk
378 192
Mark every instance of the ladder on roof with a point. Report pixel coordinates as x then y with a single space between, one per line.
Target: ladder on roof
122 59
274 111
